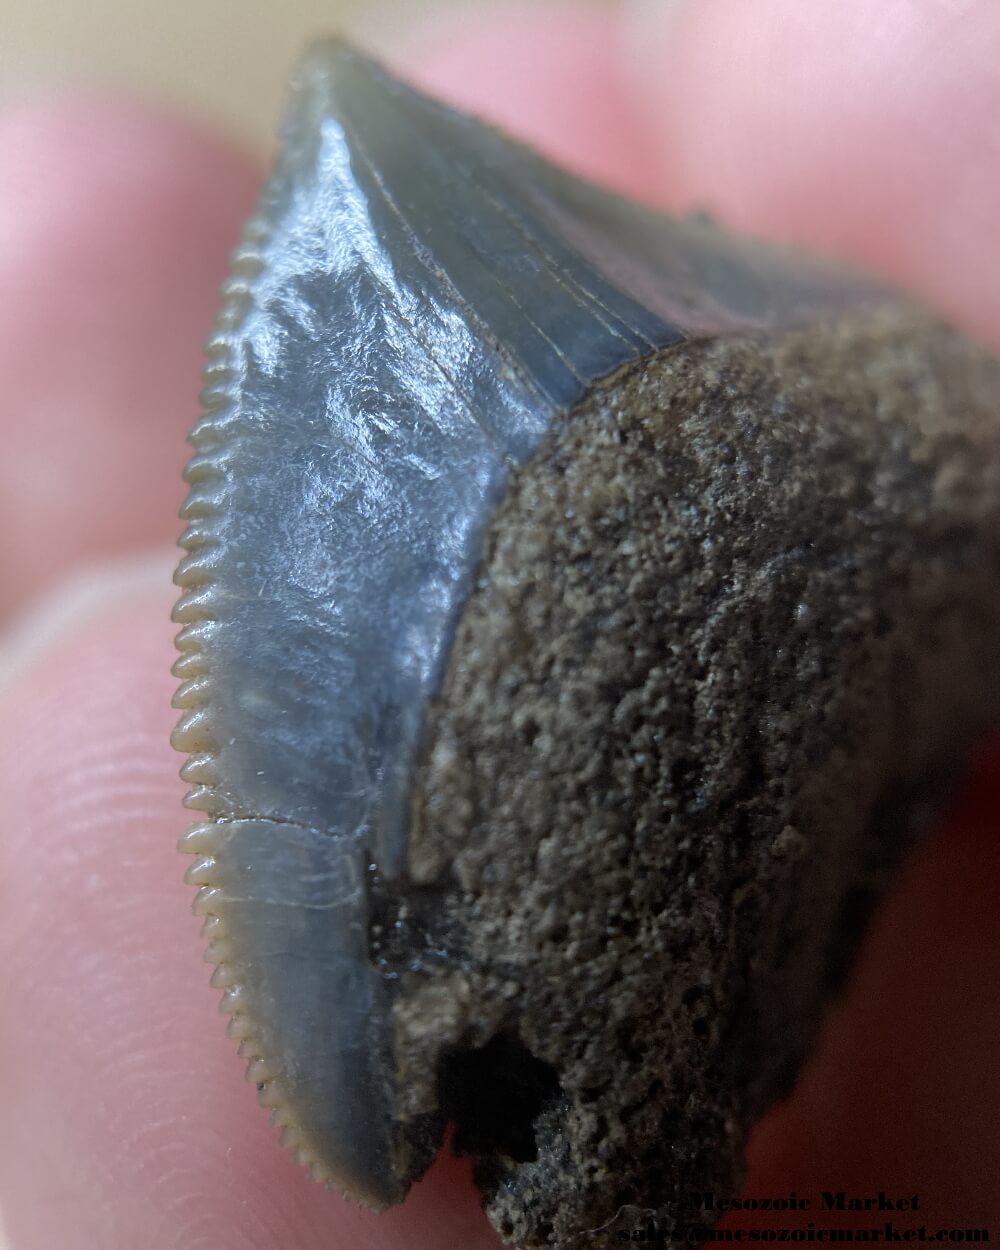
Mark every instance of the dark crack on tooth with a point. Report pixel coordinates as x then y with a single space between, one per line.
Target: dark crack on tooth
408 929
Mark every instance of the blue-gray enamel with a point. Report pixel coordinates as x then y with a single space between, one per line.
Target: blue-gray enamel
433 297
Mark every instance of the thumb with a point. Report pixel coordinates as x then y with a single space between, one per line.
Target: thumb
872 130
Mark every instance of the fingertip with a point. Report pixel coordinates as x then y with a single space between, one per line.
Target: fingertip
115 223
78 148
547 73
864 130
127 1118
902 1094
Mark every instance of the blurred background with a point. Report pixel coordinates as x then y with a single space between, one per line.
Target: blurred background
901 186
222 59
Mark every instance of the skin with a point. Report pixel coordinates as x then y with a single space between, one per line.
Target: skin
867 129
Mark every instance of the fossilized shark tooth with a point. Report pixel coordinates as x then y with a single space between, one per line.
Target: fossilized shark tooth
584 611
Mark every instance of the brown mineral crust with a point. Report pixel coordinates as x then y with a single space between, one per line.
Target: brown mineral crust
735 628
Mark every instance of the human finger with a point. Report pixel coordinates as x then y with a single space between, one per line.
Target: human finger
865 130
549 73
903 1092
127 1120
869 130
115 223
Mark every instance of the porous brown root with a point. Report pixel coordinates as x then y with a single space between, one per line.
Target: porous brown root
736 625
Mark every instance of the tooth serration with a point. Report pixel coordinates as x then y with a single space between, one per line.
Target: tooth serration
193 733
201 770
206 475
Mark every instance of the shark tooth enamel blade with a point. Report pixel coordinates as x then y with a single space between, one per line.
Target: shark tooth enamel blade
584 612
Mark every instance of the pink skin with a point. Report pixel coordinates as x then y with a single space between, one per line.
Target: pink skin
126 1119
114 229
551 75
